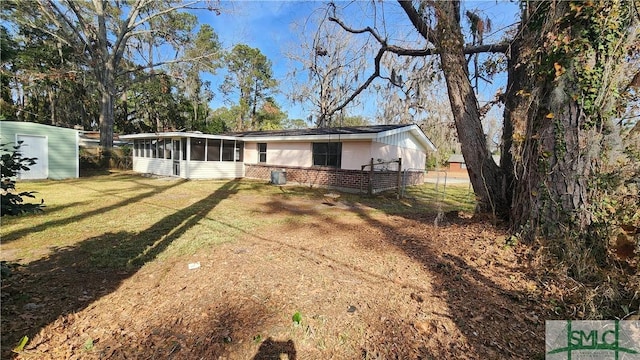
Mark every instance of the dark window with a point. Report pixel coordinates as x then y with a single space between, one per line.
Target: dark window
183 143
154 148
327 154
213 149
262 152
136 148
228 150
239 150
167 149
197 149
161 149
147 148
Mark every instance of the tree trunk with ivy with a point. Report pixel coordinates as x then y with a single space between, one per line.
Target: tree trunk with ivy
566 72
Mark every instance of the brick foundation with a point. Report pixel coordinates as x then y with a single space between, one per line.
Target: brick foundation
353 180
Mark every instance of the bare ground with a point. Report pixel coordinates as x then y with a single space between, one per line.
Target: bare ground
367 284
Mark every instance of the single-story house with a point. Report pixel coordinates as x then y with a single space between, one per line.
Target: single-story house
332 157
55 148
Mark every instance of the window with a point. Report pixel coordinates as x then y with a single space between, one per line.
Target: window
147 148
262 152
183 145
197 149
136 148
239 150
327 154
228 150
154 148
161 149
213 149
167 149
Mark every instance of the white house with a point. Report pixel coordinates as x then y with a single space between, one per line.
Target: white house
340 157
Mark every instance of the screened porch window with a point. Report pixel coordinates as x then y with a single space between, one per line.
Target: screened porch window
136 148
327 154
197 149
167 149
161 149
154 148
228 151
213 149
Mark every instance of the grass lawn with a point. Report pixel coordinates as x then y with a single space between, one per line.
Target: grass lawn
107 271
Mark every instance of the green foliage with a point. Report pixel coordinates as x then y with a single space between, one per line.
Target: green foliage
586 40
352 121
297 318
21 344
11 163
294 124
250 78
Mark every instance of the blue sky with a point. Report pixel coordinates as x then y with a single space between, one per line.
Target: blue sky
267 25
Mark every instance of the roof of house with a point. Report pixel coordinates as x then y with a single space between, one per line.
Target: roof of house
338 133
319 134
347 130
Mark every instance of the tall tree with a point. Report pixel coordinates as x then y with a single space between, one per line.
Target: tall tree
197 90
565 73
447 41
250 77
105 33
331 60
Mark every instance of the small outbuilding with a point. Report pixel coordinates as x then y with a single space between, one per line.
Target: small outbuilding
55 148
345 157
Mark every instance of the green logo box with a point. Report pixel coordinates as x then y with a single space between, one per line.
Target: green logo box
591 339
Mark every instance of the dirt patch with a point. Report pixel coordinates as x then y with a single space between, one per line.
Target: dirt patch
365 284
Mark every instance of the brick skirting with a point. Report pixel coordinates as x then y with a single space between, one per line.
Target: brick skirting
337 178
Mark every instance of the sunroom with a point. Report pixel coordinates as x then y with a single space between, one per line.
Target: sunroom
188 155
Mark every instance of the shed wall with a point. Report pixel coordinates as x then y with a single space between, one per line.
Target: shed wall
62 143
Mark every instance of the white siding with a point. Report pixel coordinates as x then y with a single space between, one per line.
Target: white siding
163 167
216 169
411 158
403 139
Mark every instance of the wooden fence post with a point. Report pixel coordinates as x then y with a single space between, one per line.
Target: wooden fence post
371 178
399 176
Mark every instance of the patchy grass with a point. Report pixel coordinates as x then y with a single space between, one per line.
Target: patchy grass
103 274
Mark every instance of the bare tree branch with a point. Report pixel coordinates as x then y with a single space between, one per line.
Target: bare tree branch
418 21
361 88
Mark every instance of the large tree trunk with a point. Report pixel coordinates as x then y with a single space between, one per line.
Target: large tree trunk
106 123
559 101
484 173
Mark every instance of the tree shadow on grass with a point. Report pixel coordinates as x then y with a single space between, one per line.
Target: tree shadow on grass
483 318
493 321
15 235
72 277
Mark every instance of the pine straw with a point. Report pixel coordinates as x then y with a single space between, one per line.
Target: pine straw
368 283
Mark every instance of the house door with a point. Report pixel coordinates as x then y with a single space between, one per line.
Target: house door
34 147
176 157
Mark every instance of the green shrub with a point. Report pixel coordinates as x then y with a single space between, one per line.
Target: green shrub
12 162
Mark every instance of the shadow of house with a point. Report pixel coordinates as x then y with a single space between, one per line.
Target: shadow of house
44 290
